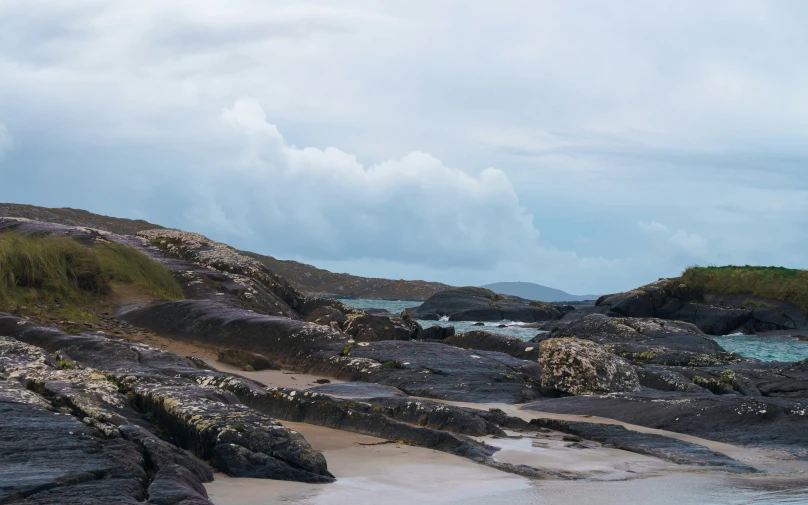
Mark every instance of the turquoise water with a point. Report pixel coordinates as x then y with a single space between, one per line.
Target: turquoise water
396 306
762 348
392 306
765 348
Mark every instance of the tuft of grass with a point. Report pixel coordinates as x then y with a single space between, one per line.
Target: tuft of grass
127 265
775 283
59 275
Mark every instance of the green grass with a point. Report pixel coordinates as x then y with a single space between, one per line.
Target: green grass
127 265
775 283
63 273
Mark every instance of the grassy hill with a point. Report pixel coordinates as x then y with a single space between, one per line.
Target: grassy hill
306 278
58 276
776 283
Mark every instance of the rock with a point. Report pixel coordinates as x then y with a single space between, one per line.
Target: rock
326 315
436 333
658 446
421 368
176 395
478 324
775 423
245 359
648 340
666 380
712 313
579 367
479 304
359 390
370 328
487 341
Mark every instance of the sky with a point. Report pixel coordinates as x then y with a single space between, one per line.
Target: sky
585 145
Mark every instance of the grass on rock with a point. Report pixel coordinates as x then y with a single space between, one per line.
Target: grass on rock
776 283
68 279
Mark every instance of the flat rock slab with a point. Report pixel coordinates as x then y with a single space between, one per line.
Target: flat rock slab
658 446
359 390
753 421
41 450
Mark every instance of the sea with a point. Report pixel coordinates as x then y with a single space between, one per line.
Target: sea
750 346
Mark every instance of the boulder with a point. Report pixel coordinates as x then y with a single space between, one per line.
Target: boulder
647 340
487 341
579 367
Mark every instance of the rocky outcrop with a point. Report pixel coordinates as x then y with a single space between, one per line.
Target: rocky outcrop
112 384
714 314
658 446
760 421
580 367
487 341
647 340
425 369
480 304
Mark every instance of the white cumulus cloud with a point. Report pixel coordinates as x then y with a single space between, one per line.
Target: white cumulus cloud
325 201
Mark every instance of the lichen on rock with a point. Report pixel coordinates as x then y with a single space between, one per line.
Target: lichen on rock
579 367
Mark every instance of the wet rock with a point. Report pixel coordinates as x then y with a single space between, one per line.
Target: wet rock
776 423
480 304
578 367
236 357
487 341
648 340
658 446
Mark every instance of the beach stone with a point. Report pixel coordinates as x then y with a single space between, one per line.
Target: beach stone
579 367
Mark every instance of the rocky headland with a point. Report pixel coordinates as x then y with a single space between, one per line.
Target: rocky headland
93 412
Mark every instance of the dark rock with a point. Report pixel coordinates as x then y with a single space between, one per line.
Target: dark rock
359 390
666 380
713 314
658 446
439 333
326 315
487 341
236 357
370 328
479 304
646 340
776 423
478 324
420 368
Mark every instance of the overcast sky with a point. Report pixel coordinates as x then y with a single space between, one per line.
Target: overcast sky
586 145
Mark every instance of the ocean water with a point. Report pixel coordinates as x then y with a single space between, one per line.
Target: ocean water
392 306
750 346
765 348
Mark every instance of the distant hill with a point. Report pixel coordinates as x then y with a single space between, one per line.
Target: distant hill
306 278
316 281
531 291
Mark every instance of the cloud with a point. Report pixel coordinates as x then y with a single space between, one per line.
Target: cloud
5 141
324 201
653 227
691 243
